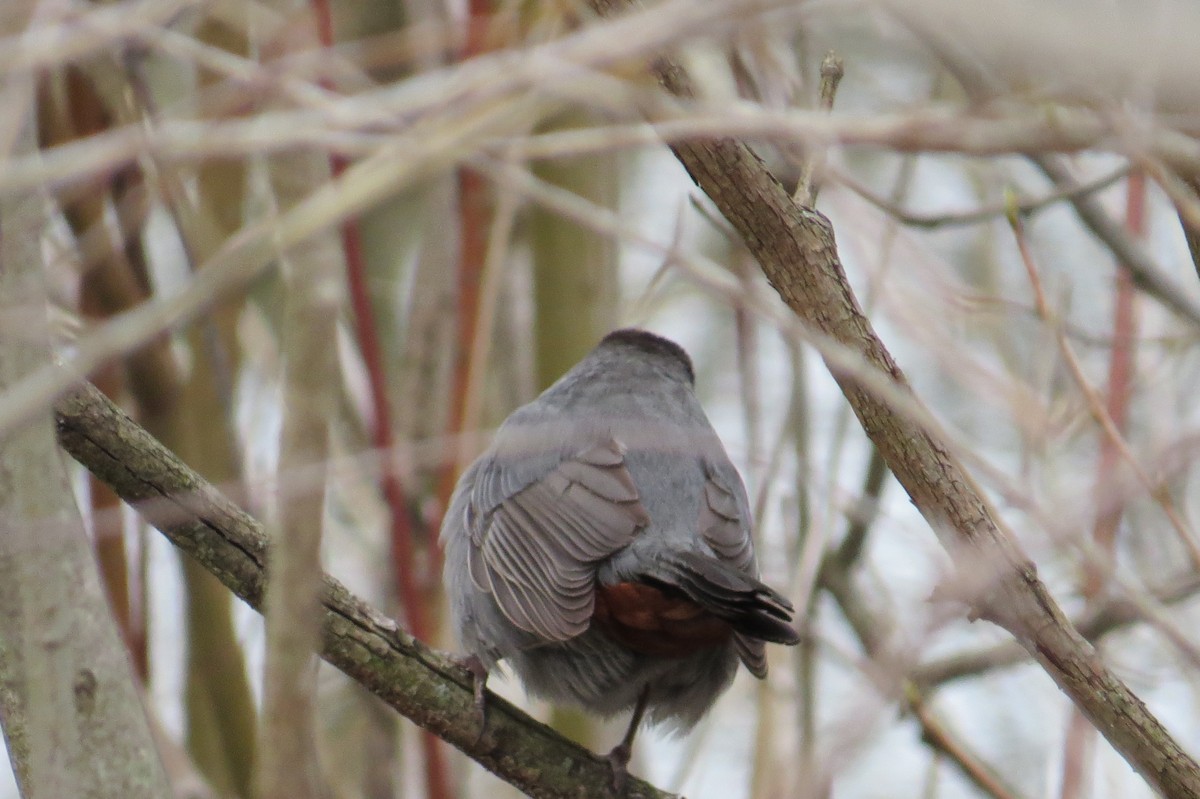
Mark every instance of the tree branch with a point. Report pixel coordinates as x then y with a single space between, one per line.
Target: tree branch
1094 624
422 684
1130 253
796 250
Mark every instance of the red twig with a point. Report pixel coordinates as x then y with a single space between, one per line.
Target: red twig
403 550
473 217
478 26
1110 508
1077 752
123 593
403 546
1120 378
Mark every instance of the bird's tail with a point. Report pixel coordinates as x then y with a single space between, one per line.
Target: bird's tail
753 609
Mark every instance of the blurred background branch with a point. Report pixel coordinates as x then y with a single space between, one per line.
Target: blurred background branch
468 195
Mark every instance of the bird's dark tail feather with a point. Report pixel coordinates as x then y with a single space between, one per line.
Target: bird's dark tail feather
751 608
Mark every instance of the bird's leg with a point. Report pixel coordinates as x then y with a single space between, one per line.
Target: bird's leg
618 758
479 675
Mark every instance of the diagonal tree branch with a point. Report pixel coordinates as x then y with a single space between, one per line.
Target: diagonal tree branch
1131 254
422 684
796 249
1094 624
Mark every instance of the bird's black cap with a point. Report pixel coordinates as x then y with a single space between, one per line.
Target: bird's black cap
645 341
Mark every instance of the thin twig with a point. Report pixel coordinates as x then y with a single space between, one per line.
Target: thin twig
865 510
813 168
1155 488
874 634
1130 254
1094 624
938 737
1184 191
985 213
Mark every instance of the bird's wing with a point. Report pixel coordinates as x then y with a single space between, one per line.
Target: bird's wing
536 550
725 518
725 524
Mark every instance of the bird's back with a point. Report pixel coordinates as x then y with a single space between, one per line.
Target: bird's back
612 479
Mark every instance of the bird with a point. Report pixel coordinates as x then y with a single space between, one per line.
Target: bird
601 547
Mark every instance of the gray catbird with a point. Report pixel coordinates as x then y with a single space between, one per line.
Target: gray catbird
602 546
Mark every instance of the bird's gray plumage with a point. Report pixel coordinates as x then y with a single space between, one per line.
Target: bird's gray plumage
612 475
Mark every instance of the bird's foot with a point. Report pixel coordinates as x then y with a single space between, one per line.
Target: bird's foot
618 760
479 675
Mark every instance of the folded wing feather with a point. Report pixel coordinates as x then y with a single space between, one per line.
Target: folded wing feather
537 550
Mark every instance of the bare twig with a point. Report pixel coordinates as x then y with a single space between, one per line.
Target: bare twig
365 123
1184 191
312 275
808 186
1115 614
89 30
864 512
984 213
1155 488
940 739
1130 254
874 633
